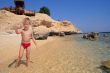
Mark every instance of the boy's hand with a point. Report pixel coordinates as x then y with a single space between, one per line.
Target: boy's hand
18 26
36 45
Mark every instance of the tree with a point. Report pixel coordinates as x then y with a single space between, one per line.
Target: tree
44 10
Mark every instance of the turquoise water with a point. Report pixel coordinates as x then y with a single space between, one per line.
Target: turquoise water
100 47
94 51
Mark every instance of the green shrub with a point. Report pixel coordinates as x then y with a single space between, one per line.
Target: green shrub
44 10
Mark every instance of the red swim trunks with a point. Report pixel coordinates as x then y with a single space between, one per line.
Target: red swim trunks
25 45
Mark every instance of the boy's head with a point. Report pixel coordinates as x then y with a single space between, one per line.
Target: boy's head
26 22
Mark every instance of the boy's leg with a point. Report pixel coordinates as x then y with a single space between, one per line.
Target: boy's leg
28 55
20 56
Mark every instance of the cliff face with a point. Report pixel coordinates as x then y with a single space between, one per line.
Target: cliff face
40 22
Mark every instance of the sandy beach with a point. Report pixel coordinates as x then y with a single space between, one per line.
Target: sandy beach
72 36
54 55
9 48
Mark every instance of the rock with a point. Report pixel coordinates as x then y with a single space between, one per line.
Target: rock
8 20
29 13
61 34
66 23
56 34
106 64
105 35
35 23
41 36
74 32
91 36
53 33
84 36
46 23
68 33
94 36
40 33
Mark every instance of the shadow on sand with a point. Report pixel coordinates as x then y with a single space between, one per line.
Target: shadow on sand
13 63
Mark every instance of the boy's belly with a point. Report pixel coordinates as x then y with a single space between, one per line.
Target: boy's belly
25 40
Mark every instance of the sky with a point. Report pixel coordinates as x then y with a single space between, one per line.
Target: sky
87 15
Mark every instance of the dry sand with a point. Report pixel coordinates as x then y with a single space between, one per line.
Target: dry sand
9 48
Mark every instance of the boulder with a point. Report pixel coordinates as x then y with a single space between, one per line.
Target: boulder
40 32
61 34
91 36
106 64
84 36
41 36
105 35
57 34
68 33
52 33
105 67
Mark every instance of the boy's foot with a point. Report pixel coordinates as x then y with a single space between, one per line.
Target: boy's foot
17 64
26 64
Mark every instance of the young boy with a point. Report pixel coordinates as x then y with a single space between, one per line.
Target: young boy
27 34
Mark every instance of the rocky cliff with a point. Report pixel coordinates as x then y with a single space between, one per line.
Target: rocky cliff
40 22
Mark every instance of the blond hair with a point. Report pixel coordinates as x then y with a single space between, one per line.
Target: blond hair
27 19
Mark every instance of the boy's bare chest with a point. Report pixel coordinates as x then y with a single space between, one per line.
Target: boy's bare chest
26 33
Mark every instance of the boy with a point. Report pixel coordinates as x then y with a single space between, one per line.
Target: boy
27 35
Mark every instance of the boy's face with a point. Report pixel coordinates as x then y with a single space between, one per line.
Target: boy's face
26 24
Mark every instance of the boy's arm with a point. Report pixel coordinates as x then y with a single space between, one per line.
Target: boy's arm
33 39
18 29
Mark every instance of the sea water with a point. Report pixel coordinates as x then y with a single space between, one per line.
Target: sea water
95 52
102 44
